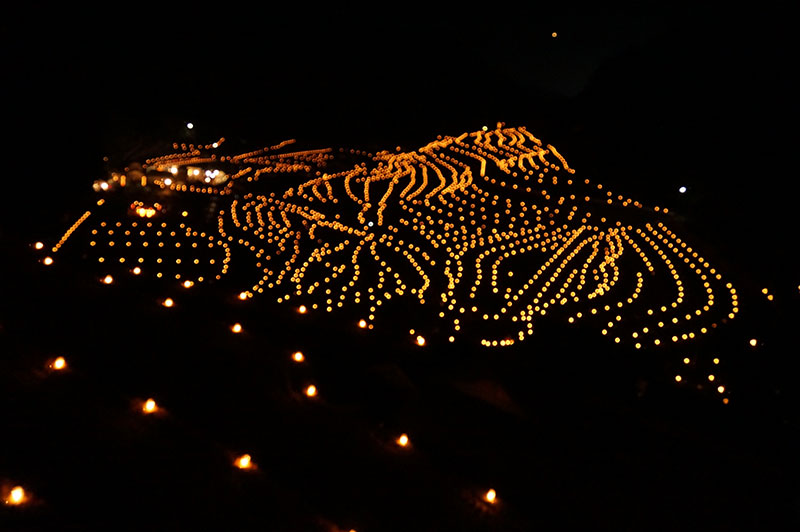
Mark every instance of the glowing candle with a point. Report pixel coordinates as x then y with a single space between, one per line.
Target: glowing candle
17 496
244 462
149 406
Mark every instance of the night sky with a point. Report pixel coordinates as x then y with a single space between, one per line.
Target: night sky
644 99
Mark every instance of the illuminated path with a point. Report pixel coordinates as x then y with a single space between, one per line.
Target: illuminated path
490 232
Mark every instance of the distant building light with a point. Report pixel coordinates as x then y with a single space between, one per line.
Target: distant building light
189 125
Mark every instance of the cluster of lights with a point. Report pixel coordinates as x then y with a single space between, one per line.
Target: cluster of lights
702 374
143 211
451 224
490 230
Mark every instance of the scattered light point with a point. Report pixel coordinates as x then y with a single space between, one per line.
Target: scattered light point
402 441
136 271
236 327
38 245
678 378
753 342
302 309
682 190
108 279
420 341
189 125
311 390
59 363
362 323
298 357
48 261
491 496
168 302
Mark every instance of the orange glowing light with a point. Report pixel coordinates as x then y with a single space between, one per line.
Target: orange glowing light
149 407
302 309
108 279
168 302
59 363
136 271
678 378
38 245
420 341
16 496
298 357
243 295
402 441
311 390
490 496
753 342
244 462
188 284
236 327
47 261
362 323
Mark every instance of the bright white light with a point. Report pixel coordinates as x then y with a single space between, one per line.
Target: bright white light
215 145
104 185
173 170
682 190
207 180
168 181
369 224
189 125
